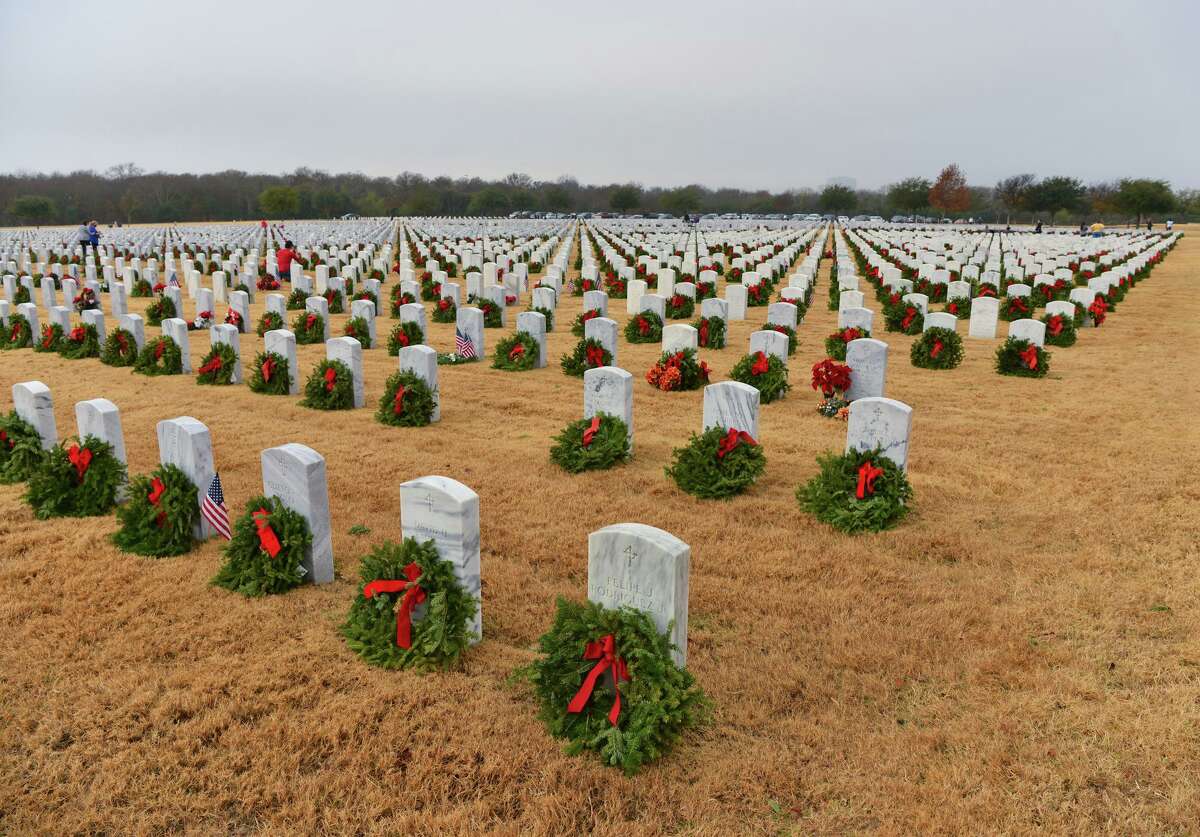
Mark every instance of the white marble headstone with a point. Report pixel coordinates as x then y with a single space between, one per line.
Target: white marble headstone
296 475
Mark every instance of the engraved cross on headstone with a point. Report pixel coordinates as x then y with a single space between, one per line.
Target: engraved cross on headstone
630 555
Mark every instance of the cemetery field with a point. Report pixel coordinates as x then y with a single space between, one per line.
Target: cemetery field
1021 654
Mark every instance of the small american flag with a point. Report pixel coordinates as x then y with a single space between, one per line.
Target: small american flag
173 281
212 508
462 346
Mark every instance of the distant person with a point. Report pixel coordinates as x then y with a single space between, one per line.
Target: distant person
1038 228
94 236
1083 228
1149 225
1170 224
83 237
284 259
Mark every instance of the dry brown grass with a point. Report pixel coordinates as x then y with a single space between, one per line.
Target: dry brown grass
1020 656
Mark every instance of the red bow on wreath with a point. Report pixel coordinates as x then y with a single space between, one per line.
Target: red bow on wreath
77 334
1018 303
909 316
590 431
4 438
330 379
413 595
731 440
867 474
398 401
310 321
81 458
595 356
267 539
1030 356
643 326
937 348
517 351
850 334
1055 325
704 332
159 348
212 366
16 331
268 369
156 492
762 364
606 652
402 338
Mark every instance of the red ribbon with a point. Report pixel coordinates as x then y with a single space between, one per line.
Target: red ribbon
77 335
867 474
310 321
704 332
517 351
1030 356
731 440
1055 325
402 338
156 492
643 325
268 369
413 595
595 356
330 379
937 348
159 348
606 652
267 538
1018 303
398 401
908 318
81 458
761 364
590 431
952 308
212 366
4 438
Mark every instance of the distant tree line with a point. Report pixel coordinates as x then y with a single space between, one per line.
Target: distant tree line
128 194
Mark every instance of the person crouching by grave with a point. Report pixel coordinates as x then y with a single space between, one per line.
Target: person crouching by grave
284 259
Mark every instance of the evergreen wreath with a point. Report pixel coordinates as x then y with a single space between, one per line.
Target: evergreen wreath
678 371
644 327
717 463
336 300
270 375
591 444
430 291
1060 330
162 308
142 288
629 719
79 479
19 334
269 321
21 296
369 296
386 626
937 348
680 307
50 338
21 451
297 299
404 335
80 342
1015 308
580 324
588 353
160 356
357 328
785 330
903 317
758 296
858 491
397 298
548 314
959 306
801 307
218 366
516 353
309 327
1022 358
445 311
120 348
266 553
407 401
835 344
329 387
491 313
710 332
159 515
765 372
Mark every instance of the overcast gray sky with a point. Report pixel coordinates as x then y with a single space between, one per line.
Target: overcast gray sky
753 94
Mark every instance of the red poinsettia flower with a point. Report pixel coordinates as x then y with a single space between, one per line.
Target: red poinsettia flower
444 303
829 376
